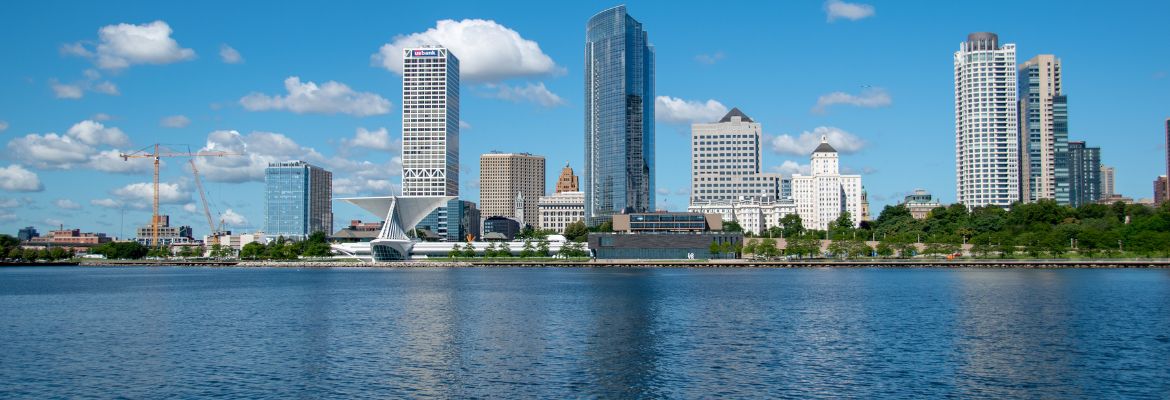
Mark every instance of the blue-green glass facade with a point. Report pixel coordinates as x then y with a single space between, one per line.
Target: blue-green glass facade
454 221
297 200
619 116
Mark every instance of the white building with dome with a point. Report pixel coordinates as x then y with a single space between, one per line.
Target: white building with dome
821 196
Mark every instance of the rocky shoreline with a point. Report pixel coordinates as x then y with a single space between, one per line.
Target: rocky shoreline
892 263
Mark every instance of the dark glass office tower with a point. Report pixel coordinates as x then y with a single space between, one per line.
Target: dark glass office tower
1084 165
619 116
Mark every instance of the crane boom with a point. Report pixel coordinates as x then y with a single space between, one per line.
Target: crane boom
203 198
156 155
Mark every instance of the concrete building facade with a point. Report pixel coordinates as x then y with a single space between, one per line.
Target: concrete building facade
986 134
561 209
823 195
1043 124
430 122
619 116
298 200
504 176
1107 179
725 162
752 215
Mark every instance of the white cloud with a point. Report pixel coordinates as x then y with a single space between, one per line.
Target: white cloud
66 204
175 121
64 91
363 186
673 110
869 98
257 149
531 92
3 126
329 98
102 117
663 191
789 168
851 11
378 139
804 144
6 216
120 46
463 125
190 207
709 58
15 178
106 87
107 203
487 51
9 203
168 193
229 55
49 150
94 133
232 218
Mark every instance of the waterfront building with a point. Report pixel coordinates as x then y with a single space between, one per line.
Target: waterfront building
1043 125
70 239
1160 190
753 215
167 235
507 227
920 203
357 231
506 180
298 200
986 134
619 116
453 222
234 241
823 195
725 162
1107 177
561 209
670 235
567 182
1084 174
27 233
430 122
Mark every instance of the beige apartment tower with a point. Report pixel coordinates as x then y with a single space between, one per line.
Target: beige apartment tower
504 178
1043 124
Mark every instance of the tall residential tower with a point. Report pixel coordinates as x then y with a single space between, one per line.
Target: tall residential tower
987 149
430 122
1084 164
619 116
1043 124
725 162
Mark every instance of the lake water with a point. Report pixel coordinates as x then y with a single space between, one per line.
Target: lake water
574 332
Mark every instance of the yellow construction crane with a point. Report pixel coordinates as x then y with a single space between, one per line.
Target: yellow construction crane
156 154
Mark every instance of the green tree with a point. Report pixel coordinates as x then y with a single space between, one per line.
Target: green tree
732 226
528 250
15 253
31 255
542 249
727 249
57 253
577 231
790 226
250 251
714 249
884 249
573 249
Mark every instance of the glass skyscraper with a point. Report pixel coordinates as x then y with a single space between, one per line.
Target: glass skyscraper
1084 174
298 200
619 116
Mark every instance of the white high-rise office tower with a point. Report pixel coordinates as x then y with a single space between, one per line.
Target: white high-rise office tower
430 122
987 162
725 162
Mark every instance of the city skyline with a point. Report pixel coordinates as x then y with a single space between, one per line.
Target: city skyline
75 98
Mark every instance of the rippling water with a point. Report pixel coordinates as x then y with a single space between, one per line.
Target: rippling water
537 332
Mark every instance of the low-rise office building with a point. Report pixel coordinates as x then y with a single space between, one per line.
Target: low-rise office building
505 226
73 239
561 209
668 235
920 203
753 215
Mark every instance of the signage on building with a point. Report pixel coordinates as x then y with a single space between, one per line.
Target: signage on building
426 53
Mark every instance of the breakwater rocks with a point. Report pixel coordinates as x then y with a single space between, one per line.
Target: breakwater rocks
816 263
353 264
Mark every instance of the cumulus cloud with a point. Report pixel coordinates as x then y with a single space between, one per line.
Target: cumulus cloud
803 144
530 92
229 55
709 59
111 161
9 203
256 150
14 178
869 98
102 117
837 9
106 203
94 133
175 121
378 139
673 110
365 186
49 150
66 204
106 87
487 51
3 126
120 46
232 218
789 168
64 91
168 193
328 98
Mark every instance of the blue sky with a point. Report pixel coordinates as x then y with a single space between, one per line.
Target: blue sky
74 96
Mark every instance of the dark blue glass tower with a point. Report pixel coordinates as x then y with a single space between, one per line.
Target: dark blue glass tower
619 116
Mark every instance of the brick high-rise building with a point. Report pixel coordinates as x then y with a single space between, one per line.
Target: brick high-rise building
567 182
504 175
